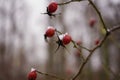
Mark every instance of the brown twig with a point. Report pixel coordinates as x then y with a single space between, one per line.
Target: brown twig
108 32
115 28
64 3
89 56
99 14
92 51
52 76
105 37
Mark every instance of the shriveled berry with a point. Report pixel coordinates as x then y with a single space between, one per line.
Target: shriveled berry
32 75
92 22
50 32
69 71
97 41
77 53
79 42
52 7
66 39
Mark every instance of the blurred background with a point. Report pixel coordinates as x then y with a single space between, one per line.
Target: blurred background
22 44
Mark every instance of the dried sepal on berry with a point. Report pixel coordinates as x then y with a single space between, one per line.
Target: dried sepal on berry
59 42
63 40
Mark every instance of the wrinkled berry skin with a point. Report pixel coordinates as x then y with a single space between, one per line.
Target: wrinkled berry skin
50 32
66 39
32 75
52 7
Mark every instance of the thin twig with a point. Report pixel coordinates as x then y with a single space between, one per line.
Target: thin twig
64 3
75 46
92 51
115 28
99 14
87 59
52 76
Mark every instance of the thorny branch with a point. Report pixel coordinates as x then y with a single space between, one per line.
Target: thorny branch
108 32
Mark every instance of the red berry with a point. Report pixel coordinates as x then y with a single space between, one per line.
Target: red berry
69 71
77 54
66 39
97 42
50 32
52 7
92 22
32 75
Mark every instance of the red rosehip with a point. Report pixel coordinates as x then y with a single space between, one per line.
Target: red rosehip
50 32
32 75
52 7
66 39
97 41
92 22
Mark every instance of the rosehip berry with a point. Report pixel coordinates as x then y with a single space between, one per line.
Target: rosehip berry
97 42
32 75
92 22
50 32
66 39
52 7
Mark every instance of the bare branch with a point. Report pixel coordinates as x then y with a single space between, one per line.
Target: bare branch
52 76
89 56
99 14
64 3
115 28
92 51
108 32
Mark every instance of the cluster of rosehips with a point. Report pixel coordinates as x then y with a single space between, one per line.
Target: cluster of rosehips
63 39
52 7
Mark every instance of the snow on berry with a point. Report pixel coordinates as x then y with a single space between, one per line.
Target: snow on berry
50 32
32 75
66 39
